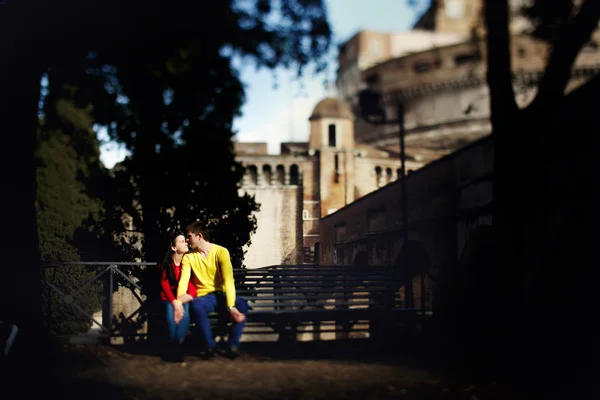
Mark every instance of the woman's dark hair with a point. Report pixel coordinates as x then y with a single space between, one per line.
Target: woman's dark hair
168 259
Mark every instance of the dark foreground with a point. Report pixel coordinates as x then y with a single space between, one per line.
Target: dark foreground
326 370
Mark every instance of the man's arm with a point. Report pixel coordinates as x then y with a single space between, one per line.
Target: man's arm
182 288
191 293
226 268
184 279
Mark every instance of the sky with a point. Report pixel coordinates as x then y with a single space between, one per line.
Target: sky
277 109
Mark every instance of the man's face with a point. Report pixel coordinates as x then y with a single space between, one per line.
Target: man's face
193 239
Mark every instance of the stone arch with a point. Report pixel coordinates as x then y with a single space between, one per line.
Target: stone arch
267 173
470 274
252 173
280 175
388 175
412 261
465 289
294 175
361 259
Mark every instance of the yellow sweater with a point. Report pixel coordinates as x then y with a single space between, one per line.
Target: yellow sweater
210 274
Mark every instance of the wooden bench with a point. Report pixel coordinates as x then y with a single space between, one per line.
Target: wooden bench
316 302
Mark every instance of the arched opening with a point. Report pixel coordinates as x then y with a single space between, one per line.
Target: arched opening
361 259
336 167
410 269
267 174
294 175
388 175
378 176
465 290
331 131
280 175
252 172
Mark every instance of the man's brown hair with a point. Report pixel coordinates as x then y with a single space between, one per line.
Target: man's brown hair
198 227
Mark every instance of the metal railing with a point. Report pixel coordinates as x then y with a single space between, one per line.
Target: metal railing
109 273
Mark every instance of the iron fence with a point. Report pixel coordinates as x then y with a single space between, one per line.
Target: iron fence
109 276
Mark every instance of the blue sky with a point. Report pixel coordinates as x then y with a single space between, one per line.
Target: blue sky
276 115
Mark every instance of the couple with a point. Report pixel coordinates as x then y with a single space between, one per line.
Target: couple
203 277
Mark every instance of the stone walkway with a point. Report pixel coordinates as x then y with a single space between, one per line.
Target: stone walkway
333 370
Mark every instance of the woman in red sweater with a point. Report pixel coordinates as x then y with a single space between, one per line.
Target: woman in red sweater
170 273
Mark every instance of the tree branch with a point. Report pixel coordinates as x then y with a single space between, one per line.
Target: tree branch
499 76
564 52
581 101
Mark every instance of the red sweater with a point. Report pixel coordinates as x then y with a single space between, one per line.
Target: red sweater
167 291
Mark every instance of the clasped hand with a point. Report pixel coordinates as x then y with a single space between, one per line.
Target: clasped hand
178 311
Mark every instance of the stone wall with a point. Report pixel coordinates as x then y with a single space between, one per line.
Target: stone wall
446 200
278 238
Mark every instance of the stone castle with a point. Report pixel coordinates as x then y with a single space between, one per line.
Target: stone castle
438 72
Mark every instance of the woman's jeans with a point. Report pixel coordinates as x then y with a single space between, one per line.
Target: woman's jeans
177 332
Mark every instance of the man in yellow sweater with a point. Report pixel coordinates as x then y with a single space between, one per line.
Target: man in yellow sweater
208 265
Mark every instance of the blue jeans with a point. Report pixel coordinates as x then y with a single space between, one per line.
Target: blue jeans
215 301
177 332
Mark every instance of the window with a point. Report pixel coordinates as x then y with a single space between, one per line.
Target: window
294 175
280 175
267 174
331 135
336 166
305 214
454 8
421 67
466 58
252 172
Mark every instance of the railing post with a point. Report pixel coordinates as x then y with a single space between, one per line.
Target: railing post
110 298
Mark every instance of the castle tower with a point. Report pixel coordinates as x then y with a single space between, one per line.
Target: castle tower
459 16
332 138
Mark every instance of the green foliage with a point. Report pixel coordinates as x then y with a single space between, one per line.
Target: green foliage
62 206
69 215
162 82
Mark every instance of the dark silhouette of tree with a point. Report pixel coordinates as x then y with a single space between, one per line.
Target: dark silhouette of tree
70 219
539 202
159 76
537 310
171 100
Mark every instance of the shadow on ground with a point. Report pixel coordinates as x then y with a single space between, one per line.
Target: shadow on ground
342 369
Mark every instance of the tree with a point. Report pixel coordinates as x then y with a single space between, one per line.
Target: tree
176 93
153 49
544 190
69 217
537 224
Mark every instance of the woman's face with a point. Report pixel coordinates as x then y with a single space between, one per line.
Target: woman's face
180 246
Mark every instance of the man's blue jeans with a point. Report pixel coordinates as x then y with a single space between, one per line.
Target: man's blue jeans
177 332
215 301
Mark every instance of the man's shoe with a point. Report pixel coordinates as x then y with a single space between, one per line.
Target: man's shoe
173 353
178 353
233 352
208 355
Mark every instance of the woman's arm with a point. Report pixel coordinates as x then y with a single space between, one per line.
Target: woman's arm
166 287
